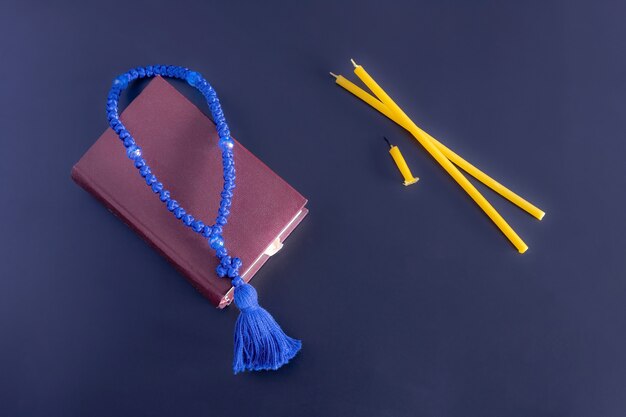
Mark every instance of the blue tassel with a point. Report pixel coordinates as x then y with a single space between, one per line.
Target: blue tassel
260 343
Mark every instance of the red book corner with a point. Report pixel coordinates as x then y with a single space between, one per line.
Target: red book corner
180 144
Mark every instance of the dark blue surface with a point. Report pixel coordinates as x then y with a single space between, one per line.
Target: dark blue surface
408 300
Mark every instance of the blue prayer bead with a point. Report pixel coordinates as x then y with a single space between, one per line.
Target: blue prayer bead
197 226
179 212
164 195
221 271
216 241
172 205
225 261
207 231
133 152
151 179
237 281
129 141
193 78
157 187
188 219
121 81
226 144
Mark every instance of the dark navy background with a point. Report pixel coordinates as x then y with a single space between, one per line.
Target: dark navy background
408 300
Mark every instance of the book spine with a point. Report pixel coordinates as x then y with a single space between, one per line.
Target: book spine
215 297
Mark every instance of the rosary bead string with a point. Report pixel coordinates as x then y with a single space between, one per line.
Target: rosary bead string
228 266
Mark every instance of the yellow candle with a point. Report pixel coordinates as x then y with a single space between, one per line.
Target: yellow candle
451 155
441 159
394 151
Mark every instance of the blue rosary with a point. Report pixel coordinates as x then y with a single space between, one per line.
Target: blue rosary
260 343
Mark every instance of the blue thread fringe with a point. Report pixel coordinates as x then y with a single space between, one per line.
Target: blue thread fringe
260 343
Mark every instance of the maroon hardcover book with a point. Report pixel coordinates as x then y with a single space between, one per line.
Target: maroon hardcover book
180 144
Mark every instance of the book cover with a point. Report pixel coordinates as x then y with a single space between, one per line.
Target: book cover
180 144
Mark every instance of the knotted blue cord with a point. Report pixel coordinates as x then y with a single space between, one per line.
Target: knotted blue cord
260 343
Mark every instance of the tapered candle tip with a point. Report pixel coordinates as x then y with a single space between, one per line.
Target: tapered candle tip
354 63
333 74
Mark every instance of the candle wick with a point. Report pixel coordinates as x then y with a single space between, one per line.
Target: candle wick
354 63
333 74
388 143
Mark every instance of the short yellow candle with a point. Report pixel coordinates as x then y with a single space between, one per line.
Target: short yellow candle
451 155
394 151
441 159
